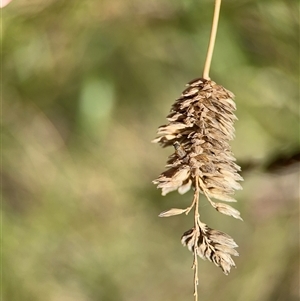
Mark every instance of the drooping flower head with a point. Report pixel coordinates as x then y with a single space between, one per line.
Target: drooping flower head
200 127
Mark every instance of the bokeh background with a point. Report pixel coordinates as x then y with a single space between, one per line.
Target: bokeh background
85 84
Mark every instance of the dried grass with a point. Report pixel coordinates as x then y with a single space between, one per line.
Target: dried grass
200 128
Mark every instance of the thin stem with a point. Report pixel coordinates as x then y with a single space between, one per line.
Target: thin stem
195 267
212 40
188 209
196 225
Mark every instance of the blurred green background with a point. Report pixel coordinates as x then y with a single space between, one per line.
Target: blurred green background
85 84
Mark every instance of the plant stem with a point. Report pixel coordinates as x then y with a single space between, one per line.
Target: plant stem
197 229
212 40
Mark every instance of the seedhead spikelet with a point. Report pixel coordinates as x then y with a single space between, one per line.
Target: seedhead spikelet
200 127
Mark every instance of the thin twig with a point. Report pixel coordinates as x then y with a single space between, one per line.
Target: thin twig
212 40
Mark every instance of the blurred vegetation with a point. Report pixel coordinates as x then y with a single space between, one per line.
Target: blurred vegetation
85 85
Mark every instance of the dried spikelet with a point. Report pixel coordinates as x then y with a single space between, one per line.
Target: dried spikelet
216 246
200 127
172 212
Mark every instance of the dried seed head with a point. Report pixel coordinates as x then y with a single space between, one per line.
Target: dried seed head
200 128
216 246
